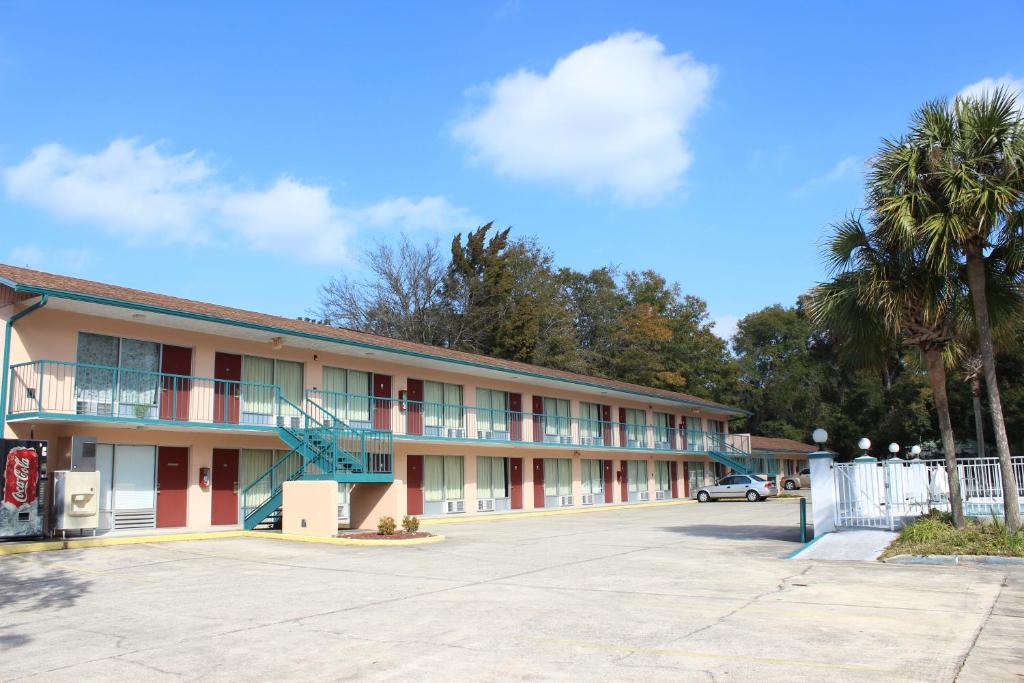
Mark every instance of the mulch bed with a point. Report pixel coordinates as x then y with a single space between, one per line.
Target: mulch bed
397 536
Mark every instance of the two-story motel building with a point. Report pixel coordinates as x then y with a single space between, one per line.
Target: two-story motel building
201 411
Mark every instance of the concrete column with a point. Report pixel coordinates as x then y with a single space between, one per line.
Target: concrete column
823 492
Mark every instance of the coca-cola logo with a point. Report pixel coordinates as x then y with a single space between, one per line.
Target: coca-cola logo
20 476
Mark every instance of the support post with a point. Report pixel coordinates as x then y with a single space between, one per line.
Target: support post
823 492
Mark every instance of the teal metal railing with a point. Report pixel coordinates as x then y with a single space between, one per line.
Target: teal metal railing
262 492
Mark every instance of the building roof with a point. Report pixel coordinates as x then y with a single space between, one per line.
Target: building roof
62 286
779 445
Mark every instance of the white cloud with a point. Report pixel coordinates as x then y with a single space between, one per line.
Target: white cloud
725 326
609 116
844 168
987 85
144 195
40 258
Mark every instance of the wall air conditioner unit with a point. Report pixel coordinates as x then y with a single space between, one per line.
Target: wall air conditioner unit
485 505
500 435
483 434
587 499
645 495
289 421
94 408
659 495
565 440
633 443
360 424
456 506
433 431
565 501
456 433
592 441
551 438
343 511
663 445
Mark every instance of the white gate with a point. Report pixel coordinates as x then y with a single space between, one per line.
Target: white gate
862 495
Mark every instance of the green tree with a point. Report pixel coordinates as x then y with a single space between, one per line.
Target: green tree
956 182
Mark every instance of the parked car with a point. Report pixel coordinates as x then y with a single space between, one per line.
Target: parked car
792 482
749 486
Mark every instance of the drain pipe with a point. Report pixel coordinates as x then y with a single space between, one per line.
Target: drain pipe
8 327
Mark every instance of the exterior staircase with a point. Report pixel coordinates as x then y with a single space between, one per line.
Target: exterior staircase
741 462
322 448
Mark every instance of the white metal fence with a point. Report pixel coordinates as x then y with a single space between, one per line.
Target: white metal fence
886 494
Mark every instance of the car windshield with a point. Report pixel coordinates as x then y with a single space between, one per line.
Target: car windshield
756 478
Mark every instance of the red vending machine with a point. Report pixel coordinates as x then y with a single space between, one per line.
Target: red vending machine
24 477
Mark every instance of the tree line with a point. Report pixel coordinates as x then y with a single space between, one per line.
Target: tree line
914 339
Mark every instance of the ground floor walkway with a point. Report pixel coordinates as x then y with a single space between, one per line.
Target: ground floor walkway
674 593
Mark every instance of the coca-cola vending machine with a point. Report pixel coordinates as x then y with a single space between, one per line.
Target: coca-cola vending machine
24 476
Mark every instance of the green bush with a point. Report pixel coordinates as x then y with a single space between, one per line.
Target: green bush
410 524
934 534
386 526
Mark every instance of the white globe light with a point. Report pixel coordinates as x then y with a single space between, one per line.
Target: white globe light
894 448
819 435
915 450
864 443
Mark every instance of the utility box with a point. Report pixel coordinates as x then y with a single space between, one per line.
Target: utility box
76 500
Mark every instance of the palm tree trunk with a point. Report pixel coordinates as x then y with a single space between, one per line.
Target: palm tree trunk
937 378
979 421
976 280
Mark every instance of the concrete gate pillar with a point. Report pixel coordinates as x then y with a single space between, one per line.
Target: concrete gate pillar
823 492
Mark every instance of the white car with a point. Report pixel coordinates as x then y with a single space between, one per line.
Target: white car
749 486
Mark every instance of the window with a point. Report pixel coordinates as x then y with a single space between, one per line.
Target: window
491 477
727 481
716 426
636 473
442 405
590 421
346 394
663 476
591 476
662 432
491 410
443 478
556 417
557 477
129 374
259 377
636 427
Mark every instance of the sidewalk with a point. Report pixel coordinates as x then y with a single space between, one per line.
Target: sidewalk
855 544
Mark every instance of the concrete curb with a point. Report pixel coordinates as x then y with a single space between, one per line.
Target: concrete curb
792 555
365 542
951 560
550 513
100 542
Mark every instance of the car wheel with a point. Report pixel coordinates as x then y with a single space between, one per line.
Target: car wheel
703 497
752 496
790 485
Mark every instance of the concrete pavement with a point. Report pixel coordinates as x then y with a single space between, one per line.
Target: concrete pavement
692 592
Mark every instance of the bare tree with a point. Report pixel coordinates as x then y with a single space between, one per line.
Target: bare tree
402 295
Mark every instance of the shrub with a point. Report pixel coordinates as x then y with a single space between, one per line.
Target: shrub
411 524
386 526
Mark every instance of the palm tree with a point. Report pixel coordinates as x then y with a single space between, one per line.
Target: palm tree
878 293
956 183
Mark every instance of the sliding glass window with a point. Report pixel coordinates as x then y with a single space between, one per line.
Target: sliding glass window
557 476
492 411
591 476
491 478
636 473
129 376
259 375
346 394
590 422
556 417
443 478
442 405
636 427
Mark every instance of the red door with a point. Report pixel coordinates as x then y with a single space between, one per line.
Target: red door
624 482
225 487
171 486
226 393
414 484
414 407
382 401
516 472
174 391
673 471
686 480
538 419
515 427
606 428
538 482
609 481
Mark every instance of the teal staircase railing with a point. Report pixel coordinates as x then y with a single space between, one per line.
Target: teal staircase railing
720 450
322 447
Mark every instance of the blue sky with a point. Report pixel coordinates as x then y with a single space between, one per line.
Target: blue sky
243 153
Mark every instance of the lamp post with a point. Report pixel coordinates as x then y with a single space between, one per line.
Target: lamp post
894 448
864 444
819 436
915 451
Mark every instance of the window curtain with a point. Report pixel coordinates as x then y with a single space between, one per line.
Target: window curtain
590 477
590 420
358 400
433 478
550 477
484 482
636 425
254 462
335 387
96 384
257 400
344 493
138 379
661 434
564 477
452 406
499 477
433 408
557 476
662 477
492 410
288 376
453 477
637 474
556 417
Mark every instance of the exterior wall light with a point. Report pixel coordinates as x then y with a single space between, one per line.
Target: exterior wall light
894 448
864 444
819 436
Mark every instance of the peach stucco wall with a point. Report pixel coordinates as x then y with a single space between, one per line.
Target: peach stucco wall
310 508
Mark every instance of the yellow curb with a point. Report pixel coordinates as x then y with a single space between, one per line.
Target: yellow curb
550 513
436 538
73 543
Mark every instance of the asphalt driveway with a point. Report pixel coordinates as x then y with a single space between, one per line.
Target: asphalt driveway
689 592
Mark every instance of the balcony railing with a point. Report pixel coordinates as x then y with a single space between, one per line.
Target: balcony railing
458 422
60 388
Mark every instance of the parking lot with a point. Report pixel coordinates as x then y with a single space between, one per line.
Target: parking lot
683 592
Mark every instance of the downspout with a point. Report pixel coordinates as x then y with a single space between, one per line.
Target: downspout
8 327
